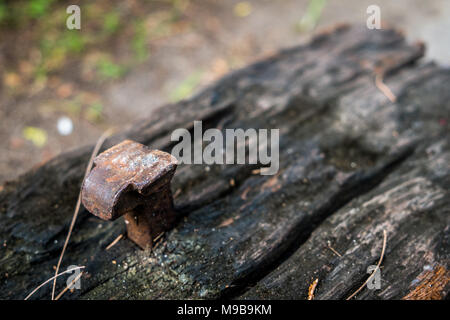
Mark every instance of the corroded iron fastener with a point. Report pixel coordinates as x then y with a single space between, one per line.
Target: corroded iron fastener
132 180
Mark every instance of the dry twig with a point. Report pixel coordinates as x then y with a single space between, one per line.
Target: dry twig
68 286
114 242
384 88
312 288
98 145
158 237
333 250
48 280
376 268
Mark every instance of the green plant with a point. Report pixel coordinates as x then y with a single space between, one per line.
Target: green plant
38 8
3 11
72 41
94 112
36 135
312 15
139 42
111 22
187 87
107 69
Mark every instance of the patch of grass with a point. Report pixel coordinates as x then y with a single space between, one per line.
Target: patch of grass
52 58
186 88
111 22
103 26
311 16
38 8
55 48
37 136
3 11
108 70
94 112
72 41
139 42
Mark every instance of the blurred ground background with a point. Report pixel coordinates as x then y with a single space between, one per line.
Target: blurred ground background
132 56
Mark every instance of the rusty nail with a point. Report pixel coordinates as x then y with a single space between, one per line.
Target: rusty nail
132 180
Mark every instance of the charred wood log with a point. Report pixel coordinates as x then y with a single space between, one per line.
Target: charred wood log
352 163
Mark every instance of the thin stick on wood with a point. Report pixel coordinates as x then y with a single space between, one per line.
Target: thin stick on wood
376 268
68 287
157 244
384 88
312 288
177 193
158 237
48 280
98 145
114 242
334 250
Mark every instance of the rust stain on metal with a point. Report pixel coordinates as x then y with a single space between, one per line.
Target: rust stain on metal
132 180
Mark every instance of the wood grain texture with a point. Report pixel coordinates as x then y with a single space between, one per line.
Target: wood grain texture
343 145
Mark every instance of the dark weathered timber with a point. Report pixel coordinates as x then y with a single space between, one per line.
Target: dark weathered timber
412 205
342 143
